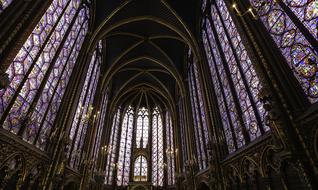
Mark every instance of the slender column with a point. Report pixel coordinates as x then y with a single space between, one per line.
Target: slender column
26 13
10 104
92 135
63 121
224 97
164 128
227 71
122 115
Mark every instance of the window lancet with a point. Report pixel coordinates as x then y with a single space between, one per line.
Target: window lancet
199 118
140 169
287 22
234 79
125 148
157 148
142 128
170 151
85 110
41 70
131 163
111 149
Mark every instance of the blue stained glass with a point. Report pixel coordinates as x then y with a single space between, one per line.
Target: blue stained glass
157 148
142 128
34 63
125 148
110 164
218 91
140 169
297 50
171 151
238 69
84 112
4 4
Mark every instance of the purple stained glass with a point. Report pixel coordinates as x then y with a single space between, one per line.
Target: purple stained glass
125 148
100 120
157 148
4 4
295 47
55 78
307 13
84 111
110 164
25 57
171 151
183 134
88 111
142 128
140 169
34 63
239 71
200 127
218 90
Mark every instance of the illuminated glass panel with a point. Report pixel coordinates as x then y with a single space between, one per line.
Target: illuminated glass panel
125 148
4 4
157 148
235 81
183 134
222 90
171 151
40 72
140 169
142 128
112 149
101 123
296 47
198 112
84 111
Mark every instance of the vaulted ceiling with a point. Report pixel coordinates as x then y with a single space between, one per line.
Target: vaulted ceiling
145 41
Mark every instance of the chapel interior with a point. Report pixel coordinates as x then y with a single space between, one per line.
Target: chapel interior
158 94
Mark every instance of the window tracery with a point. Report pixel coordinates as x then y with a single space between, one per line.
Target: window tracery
41 70
293 27
234 79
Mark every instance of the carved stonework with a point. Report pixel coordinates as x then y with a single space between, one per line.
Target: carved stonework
20 161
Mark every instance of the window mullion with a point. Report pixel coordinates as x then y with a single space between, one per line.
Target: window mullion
222 92
25 77
231 84
237 60
81 116
57 84
299 25
200 115
192 91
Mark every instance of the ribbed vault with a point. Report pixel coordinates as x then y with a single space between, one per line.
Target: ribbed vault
145 43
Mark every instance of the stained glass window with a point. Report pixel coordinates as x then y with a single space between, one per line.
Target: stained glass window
120 149
101 123
40 71
234 79
200 125
85 111
140 169
170 151
293 27
4 4
142 128
157 148
111 164
125 148
182 134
